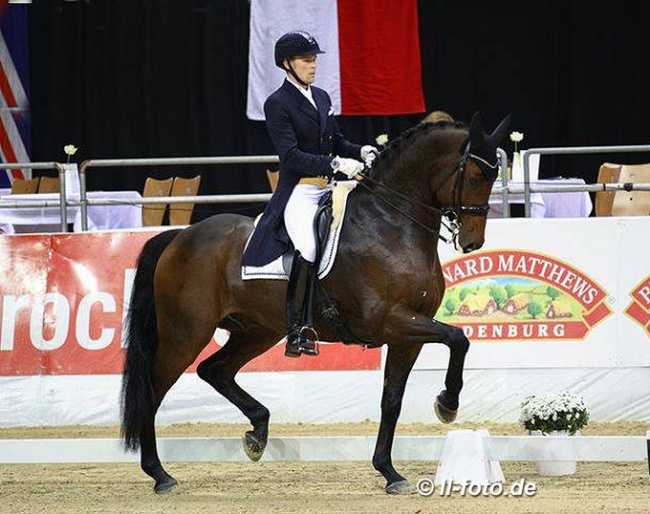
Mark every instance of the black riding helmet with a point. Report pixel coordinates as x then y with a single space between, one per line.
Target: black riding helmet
293 44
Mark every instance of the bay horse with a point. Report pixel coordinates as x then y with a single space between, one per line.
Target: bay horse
387 281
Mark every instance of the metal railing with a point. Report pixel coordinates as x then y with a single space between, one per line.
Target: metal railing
171 161
504 189
41 166
573 150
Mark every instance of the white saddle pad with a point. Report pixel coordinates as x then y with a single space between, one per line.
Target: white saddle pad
274 270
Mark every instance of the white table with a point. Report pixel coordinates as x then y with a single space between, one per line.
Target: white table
548 205
48 219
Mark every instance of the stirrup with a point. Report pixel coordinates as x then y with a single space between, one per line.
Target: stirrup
303 344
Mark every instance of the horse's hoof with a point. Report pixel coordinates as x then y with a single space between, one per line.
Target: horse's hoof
165 485
443 413
402 487
253 448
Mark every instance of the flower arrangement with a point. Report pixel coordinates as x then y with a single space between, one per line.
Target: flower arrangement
554 412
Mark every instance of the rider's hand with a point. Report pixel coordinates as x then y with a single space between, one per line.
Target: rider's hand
349 167
368 154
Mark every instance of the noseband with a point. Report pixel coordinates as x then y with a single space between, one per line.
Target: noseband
451 212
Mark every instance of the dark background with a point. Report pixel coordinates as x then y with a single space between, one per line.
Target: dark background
157 78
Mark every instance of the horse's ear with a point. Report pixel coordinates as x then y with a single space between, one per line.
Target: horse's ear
499 133
476 135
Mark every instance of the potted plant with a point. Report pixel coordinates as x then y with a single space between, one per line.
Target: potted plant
558 414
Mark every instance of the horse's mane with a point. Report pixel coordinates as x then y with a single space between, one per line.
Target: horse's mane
397 146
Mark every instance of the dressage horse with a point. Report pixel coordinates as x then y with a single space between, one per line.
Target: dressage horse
387 282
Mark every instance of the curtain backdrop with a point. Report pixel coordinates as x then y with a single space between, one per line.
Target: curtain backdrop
140 78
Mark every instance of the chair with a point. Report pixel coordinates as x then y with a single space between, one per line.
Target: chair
24 187
152 214
181 213
623 203
607 173
49 185
273 179
632 203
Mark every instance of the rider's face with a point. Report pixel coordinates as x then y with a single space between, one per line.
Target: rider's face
305 67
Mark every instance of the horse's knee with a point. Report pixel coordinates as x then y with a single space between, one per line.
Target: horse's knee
458 340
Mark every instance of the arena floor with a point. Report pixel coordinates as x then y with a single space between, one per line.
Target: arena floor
311 487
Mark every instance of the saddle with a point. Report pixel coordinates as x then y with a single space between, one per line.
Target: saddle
327 307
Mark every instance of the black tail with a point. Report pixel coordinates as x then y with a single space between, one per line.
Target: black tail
142 342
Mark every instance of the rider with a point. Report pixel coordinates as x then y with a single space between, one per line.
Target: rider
300 120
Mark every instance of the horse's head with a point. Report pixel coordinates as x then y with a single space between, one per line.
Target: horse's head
463 195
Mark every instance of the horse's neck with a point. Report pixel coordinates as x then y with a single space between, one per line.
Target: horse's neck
378 217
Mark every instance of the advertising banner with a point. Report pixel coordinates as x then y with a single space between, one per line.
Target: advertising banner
63 299
550 293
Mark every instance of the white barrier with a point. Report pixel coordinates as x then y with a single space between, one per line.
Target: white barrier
607 364
361 448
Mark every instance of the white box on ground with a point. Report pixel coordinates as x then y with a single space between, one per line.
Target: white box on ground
467 458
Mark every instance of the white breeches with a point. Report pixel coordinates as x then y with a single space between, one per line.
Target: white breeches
299 218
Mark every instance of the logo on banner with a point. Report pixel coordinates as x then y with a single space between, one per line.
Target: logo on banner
639 309
520 295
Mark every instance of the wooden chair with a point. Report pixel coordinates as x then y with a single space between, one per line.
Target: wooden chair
24 187
49 185
632 203
273 179
607 173
181 213
152 214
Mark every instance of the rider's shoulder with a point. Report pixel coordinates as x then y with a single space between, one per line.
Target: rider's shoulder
316 91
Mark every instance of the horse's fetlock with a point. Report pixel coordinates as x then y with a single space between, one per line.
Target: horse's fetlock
260 416
380 462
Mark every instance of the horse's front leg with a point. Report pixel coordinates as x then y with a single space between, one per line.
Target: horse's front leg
422 329
399 362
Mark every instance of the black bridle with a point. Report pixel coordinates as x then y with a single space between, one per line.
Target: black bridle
451 212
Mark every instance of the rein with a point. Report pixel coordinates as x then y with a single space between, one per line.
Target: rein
452 213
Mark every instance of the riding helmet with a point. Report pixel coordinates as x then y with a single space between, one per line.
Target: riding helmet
293 44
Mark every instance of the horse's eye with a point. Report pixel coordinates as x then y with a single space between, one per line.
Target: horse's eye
473 181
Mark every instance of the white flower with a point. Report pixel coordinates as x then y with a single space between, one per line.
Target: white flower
516 137
70 149
548 412
382 139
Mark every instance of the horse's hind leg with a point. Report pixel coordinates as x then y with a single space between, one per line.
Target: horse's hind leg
180 343
247 341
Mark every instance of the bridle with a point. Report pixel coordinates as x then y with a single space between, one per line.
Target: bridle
451 212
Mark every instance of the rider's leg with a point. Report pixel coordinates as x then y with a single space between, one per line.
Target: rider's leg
298 218
299 330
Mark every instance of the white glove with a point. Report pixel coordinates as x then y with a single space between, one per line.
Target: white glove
348 167
368 154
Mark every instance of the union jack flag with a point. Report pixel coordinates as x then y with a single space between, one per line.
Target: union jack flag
14 90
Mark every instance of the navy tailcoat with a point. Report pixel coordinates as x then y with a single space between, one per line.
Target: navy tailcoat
306 140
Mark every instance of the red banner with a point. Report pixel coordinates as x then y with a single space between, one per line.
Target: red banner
63 298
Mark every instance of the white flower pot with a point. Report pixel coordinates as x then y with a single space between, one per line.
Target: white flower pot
556 468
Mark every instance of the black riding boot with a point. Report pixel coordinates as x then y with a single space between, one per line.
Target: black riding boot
301 337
